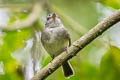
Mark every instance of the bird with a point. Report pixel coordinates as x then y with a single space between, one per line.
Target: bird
56 39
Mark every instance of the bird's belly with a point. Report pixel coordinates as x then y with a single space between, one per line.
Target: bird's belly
55 47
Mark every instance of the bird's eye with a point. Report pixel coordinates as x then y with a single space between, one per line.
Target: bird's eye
48 18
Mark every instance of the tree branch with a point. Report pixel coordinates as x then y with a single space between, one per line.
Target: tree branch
78 45
31 19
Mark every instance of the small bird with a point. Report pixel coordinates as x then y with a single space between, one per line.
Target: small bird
55 39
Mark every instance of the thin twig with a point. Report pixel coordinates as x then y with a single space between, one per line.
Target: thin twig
31 19
77 46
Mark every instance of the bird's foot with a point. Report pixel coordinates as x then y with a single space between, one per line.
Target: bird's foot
66 49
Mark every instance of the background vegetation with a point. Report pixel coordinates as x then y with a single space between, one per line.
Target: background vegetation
21 51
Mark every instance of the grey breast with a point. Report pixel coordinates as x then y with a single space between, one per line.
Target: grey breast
54 40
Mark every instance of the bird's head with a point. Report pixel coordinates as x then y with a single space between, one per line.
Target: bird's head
53 20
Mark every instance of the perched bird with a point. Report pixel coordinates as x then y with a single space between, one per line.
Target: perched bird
55 39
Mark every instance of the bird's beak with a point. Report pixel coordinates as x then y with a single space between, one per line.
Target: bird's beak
54 16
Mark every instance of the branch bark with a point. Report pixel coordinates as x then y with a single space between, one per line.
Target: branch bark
78 45
31 19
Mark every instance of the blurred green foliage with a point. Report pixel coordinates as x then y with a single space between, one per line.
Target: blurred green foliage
112 3
94 62
12 40
16 1
110 65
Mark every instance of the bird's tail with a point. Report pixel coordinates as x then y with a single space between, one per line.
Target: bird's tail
67 69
